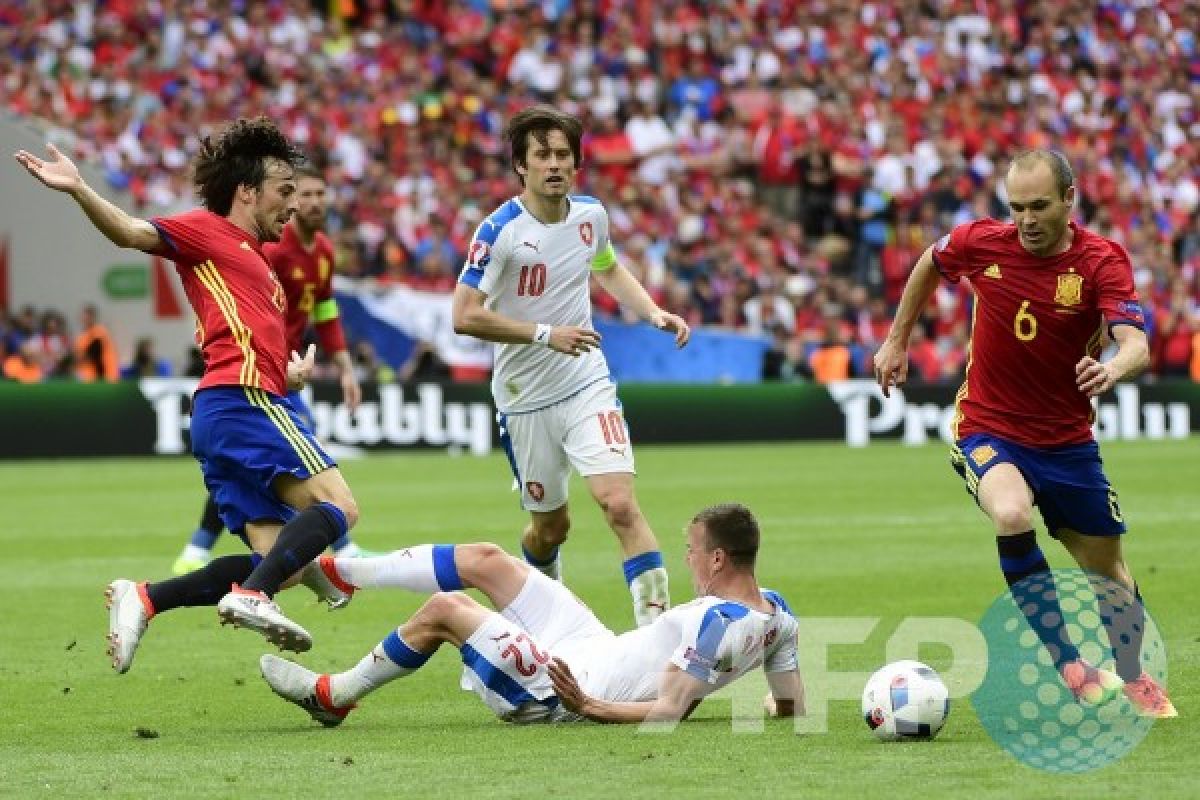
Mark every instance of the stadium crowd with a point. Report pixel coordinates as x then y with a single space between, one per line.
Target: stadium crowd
769 166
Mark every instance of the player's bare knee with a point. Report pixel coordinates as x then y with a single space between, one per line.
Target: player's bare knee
1011 518
620 509
476 560
440 608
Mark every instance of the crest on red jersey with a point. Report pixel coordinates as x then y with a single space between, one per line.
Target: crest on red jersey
585 233
1069 291
536 490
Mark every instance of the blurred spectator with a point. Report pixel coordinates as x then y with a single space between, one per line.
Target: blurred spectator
194 366
52 346
1179 323
869 129
368 367
830 359
768 312
21 328
146 363
95 354
24 365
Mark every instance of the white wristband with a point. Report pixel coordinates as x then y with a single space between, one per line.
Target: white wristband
541 334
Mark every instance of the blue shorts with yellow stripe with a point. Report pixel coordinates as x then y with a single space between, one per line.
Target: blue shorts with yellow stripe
302 410
1068 483
245 438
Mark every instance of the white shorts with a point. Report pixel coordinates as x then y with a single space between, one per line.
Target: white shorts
586 431
504 660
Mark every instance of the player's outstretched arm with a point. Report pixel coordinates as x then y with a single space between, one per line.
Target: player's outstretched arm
1133 355
891 361
786 698
621 284
678 696
473 318
60 173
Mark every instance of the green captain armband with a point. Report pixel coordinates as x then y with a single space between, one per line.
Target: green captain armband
325 310
605 259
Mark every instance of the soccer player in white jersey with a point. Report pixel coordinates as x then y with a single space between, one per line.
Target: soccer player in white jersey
546 657
526 286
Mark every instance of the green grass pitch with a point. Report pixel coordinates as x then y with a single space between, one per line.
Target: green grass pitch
886 532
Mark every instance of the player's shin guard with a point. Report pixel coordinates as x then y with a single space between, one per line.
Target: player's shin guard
300 541
647 579
425 568
204 587
1124 619
390 659
1021 558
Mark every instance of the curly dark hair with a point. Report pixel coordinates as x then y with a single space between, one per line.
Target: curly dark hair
238 157
538 121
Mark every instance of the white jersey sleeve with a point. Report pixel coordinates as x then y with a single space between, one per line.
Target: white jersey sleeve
780 644
704 652
487 256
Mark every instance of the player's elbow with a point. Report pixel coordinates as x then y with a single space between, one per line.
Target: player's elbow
465 319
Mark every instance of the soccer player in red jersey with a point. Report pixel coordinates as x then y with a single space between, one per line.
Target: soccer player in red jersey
1046 290
303 261
274 484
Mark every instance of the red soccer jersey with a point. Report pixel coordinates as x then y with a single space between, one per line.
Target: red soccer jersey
238 302
1035 317
307 279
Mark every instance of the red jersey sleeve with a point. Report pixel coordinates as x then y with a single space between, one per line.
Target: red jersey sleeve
326 319
1116 296
952 253
186 238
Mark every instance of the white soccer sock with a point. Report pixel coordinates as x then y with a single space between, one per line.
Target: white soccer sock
388 660
552 569
651 595
426 568
349 551
193 553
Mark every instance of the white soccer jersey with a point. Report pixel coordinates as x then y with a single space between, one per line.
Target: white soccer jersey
714 640
538 272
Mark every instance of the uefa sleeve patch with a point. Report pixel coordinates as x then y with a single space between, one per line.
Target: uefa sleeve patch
1131 309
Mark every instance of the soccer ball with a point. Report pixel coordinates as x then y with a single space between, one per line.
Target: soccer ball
905 700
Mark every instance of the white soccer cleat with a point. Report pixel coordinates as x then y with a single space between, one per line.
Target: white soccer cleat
128 615
243 608
303 687
321 578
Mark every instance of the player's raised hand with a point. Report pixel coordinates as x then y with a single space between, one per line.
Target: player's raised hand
891 366
1093 377
672 323
59 172
565 686
572 340
299 368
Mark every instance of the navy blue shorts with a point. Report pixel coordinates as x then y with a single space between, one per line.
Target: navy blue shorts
302 410
244 439
1068 483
